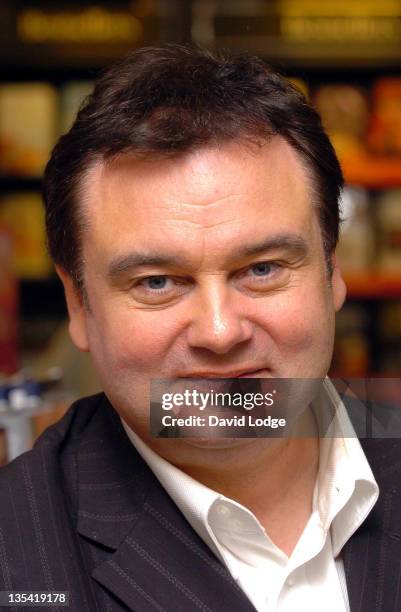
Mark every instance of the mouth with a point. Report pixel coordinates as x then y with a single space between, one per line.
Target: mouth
259 373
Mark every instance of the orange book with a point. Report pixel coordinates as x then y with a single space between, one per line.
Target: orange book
8 307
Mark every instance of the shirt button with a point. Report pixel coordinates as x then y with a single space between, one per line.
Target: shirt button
290 581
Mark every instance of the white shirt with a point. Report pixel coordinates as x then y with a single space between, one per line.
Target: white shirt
312 578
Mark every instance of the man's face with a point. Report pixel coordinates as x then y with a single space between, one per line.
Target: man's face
207 265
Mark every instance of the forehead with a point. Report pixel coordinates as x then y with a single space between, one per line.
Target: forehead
212 195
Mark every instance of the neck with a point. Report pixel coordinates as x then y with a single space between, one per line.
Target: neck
263 474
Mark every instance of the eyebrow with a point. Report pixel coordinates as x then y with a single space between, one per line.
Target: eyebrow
293 244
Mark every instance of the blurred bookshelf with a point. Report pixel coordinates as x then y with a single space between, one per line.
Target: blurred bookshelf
372 172
370 285
351 72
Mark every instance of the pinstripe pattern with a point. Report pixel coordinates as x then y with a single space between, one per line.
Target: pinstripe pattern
82 512
187 541
37 527
145 596
372 558
4 567
178 584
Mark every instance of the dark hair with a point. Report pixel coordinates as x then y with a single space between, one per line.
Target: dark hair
166 101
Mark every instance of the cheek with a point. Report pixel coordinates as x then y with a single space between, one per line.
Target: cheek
296 323
132 340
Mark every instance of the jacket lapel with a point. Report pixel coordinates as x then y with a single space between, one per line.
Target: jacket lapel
372 557
151 558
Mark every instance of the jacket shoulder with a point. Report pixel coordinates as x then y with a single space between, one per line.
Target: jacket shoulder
37 493
71 425
54 440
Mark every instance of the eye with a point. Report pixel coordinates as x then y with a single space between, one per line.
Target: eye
264 276
156 283
158 289
262 268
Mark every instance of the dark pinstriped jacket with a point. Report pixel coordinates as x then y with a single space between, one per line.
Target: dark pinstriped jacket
83 513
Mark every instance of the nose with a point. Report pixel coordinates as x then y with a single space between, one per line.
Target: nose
217 323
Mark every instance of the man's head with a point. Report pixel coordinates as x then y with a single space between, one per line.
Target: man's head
194 203
167 102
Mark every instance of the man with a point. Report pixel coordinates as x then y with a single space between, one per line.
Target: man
192 213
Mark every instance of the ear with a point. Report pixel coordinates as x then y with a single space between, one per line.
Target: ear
338 286
76 310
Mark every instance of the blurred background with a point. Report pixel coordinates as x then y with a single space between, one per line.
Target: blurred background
344 54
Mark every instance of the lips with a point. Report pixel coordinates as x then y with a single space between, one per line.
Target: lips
262 373
243 373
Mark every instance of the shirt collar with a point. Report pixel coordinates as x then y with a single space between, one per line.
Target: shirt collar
346 487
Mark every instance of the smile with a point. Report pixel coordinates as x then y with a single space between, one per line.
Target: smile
260 373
